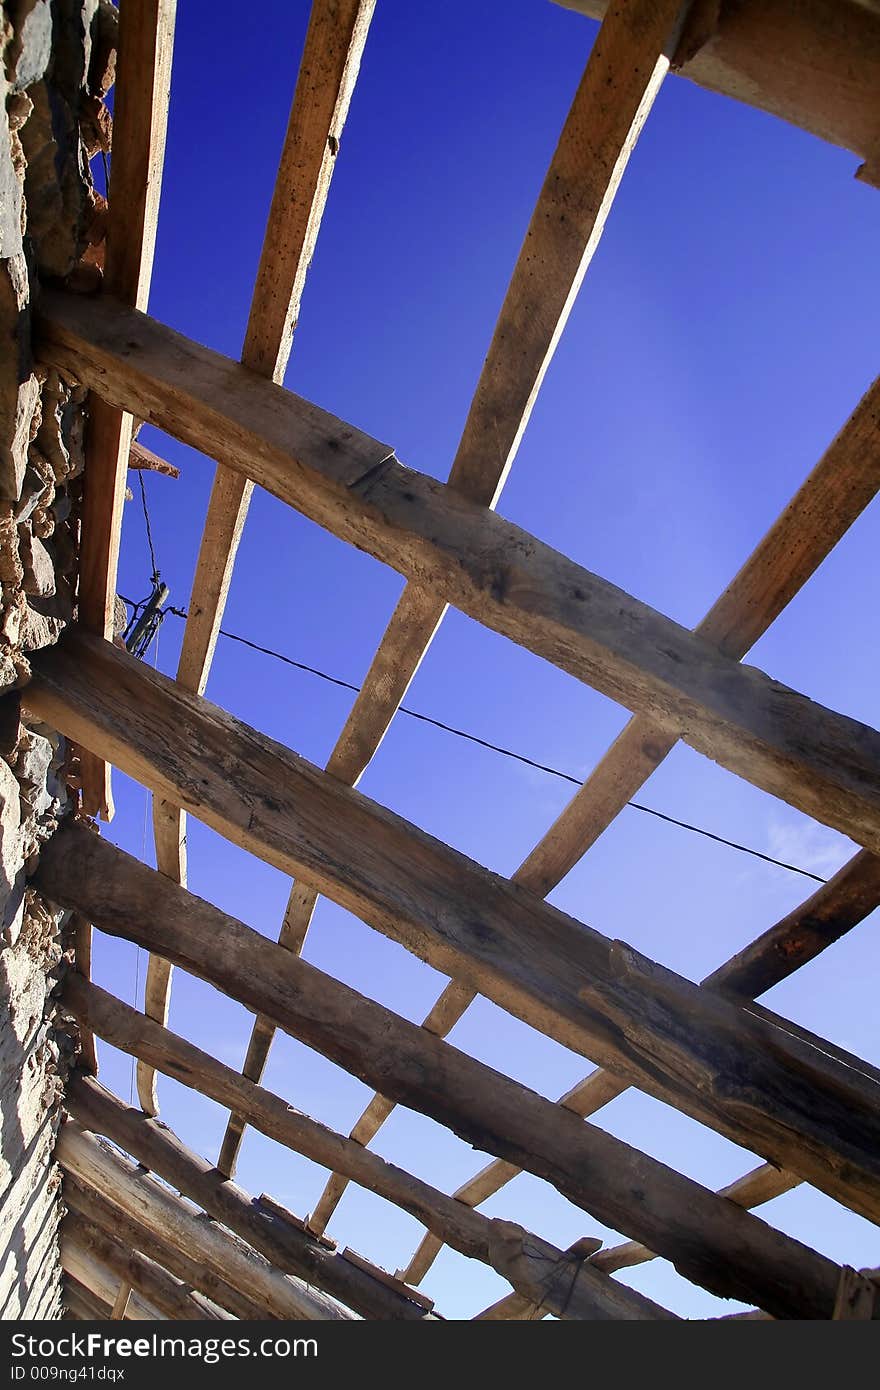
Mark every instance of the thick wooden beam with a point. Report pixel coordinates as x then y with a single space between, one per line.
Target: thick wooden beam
110 1218
711 1241
285 1246
800 936
334 44
140 119
748 1078
80 1303
155 1284
823 763
537 1270
814 63
626 68
100 1169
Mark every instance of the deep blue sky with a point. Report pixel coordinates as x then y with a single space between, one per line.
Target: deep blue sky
726 329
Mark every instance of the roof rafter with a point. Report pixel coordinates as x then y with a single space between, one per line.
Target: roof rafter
710 1240
335 40
140 121
626 68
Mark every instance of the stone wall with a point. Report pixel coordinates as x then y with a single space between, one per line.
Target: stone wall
58 59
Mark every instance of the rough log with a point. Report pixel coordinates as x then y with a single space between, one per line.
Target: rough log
125 1185
155 1284
538 1270
746 1076
710 1241
288 1249
108 1217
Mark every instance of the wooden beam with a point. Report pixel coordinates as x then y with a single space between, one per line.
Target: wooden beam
110 1218
622 78
814 63
799 937
141 1197
156 1285
823 763
121 1302
334 45
145 461
839 488
140 119
711 1241
744 1075
282 1244
539 1271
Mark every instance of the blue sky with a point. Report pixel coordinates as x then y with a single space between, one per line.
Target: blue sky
726 329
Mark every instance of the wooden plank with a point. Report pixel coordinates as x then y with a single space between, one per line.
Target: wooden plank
800 936
328 1276
102 1283
121 1302
815 64
625 70
334 44
745 1075
823 763
530 1263
711 1241
156 1285
141 1197
140 119
109 1217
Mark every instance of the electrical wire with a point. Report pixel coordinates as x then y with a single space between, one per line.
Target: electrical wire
495 747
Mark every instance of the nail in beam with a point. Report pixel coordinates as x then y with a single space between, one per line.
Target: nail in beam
709 1240
751 1080
821 762
562 1285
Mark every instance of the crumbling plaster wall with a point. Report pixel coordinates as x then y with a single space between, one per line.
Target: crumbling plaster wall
58 59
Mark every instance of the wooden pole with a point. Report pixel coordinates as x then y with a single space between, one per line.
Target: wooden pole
821 762
539 1271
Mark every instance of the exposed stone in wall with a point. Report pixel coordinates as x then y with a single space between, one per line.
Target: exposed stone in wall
58 61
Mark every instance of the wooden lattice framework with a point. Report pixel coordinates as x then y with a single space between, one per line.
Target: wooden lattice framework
807 1108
